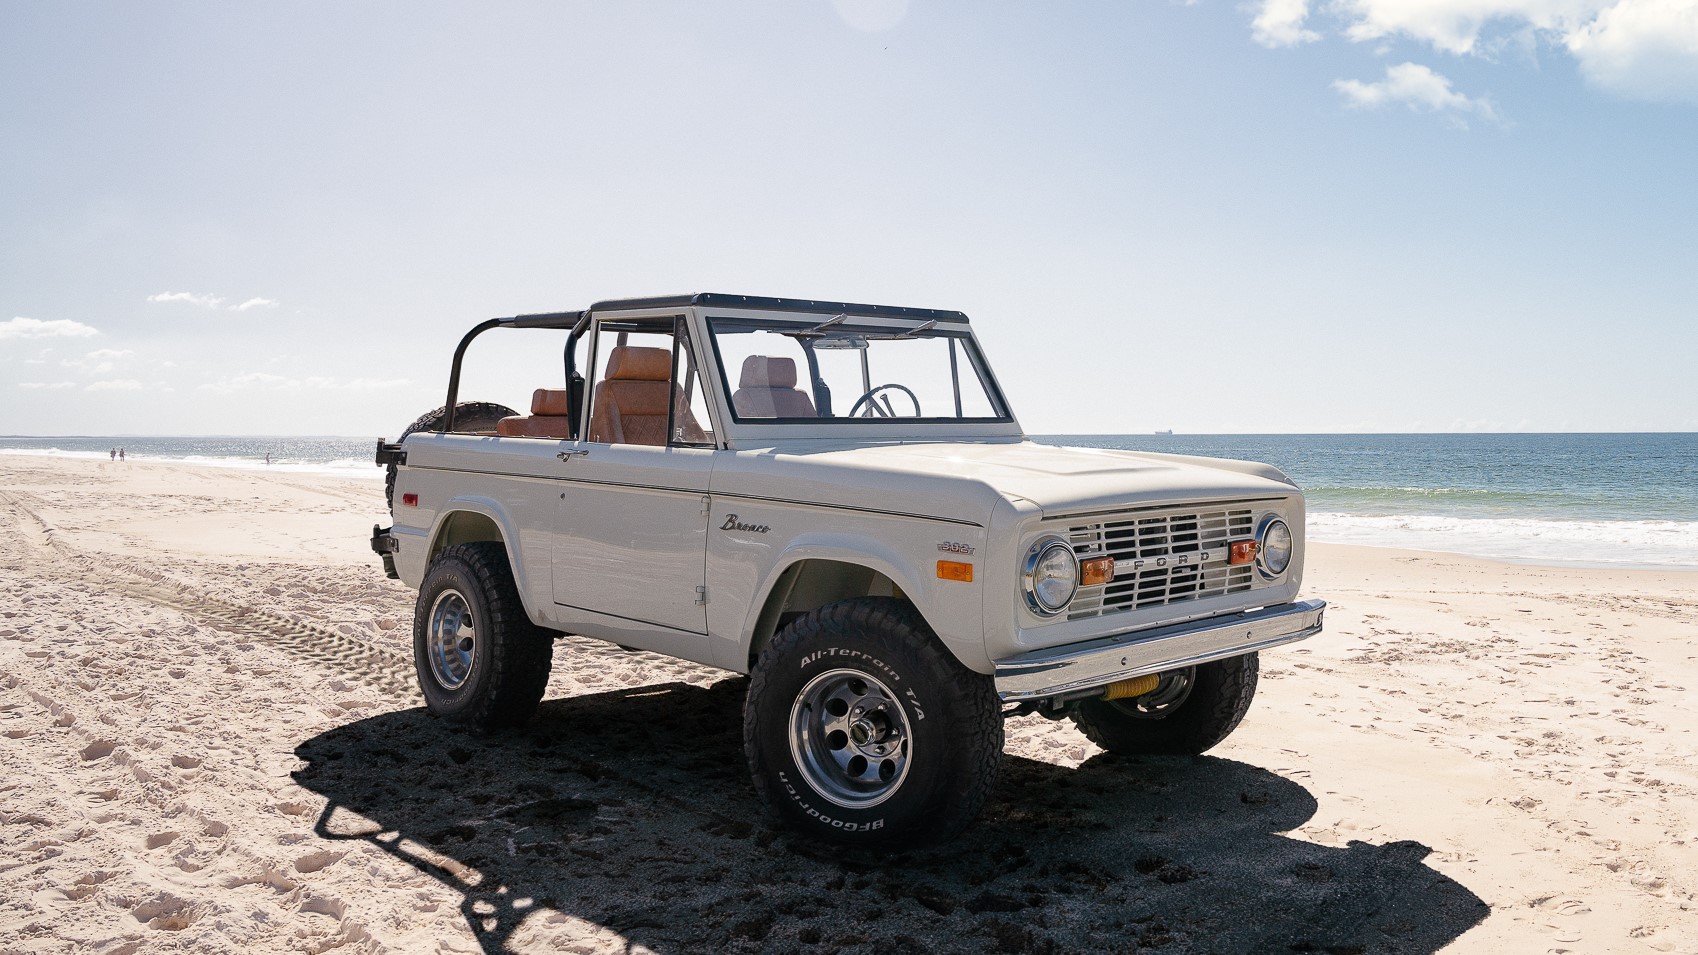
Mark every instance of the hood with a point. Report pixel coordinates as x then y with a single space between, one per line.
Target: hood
1055 479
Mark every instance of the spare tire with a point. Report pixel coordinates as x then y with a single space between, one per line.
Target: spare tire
468 416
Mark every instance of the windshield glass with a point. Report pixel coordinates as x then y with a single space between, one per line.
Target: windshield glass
839 371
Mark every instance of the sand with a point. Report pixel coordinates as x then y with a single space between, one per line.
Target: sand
212 742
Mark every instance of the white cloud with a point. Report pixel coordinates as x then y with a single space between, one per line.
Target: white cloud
250 381
265 381
1415 86
118 384
1639 48
376 384
1280 23
36 328
97 362
871 16
1644 48
46 385
192 298
1454 26
255 303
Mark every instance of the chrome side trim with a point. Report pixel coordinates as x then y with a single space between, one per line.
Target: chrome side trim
1058 671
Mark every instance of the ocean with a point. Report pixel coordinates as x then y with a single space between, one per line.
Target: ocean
317 455
1595 499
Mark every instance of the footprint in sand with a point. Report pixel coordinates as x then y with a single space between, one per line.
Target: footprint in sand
98 749
88 885
162 838
268 876
166 912
314 861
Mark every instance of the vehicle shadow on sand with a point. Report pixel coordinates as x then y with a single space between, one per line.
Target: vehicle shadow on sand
632 811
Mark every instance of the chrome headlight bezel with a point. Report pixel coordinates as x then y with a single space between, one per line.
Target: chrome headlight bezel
1036 556
1264 561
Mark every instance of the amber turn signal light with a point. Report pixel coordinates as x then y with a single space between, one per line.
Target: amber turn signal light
1243 552
1097 570
955 570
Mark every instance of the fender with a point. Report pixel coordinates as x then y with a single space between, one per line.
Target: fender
956 615
496 512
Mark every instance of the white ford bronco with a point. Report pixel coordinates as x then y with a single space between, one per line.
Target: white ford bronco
837 500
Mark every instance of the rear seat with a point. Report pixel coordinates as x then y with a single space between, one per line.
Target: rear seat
549 417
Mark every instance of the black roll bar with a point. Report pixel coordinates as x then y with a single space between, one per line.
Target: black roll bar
577 321
454 372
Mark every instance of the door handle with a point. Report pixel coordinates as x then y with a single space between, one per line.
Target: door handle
566 455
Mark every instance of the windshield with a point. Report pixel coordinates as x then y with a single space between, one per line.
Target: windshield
838 371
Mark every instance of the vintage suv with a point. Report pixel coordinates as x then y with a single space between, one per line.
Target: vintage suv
837 500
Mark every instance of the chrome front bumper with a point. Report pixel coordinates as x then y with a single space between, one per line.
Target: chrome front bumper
1076 667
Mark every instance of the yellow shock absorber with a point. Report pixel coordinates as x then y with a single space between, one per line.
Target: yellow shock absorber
1137 686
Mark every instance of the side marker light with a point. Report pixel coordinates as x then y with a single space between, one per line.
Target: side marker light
955 570
411 500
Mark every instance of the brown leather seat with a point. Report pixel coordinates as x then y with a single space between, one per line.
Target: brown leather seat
549 418
767 389
631 402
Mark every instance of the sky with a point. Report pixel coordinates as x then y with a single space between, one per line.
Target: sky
1272 216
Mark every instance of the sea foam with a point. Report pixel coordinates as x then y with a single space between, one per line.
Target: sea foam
1641 543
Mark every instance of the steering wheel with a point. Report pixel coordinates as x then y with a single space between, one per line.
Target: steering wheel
875 409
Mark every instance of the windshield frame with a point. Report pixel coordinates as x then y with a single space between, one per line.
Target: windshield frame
972 361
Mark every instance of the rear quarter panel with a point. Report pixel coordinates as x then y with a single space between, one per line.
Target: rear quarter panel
511 481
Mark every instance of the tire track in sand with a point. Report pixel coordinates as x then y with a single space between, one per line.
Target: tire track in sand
351 658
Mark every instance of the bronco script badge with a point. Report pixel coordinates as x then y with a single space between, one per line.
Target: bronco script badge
733 524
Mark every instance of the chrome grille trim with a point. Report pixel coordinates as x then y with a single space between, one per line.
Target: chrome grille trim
1162 557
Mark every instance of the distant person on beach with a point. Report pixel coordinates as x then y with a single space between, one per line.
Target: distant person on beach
120 454
114 454
268 458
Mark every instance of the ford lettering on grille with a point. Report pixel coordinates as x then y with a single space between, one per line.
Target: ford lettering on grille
1161 557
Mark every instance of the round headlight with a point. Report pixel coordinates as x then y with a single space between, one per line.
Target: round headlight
1051 576
1275 553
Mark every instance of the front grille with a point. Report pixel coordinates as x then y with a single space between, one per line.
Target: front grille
1184 555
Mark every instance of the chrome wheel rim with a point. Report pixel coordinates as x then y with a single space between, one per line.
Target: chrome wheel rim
451 642
1172 691
851 738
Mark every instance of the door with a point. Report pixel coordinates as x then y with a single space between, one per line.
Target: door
631 529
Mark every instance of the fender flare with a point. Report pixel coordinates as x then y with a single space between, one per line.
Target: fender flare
497 514
857 549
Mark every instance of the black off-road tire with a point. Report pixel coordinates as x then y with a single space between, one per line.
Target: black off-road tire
950 716
468 416
509 657
1219 696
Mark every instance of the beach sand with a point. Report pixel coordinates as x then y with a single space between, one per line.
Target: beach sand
212 742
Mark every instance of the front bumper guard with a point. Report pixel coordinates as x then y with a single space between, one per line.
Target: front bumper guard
1077 668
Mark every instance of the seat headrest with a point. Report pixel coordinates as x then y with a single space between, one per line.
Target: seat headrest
549 401
760 371
632 363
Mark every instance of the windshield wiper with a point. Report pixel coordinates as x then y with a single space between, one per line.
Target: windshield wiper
819 330
910 333
822 330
